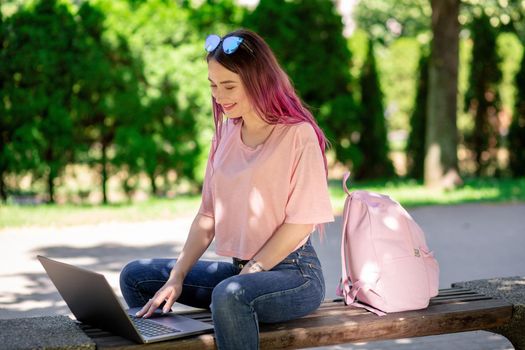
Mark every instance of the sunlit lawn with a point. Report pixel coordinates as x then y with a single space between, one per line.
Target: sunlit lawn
65 215
411 193
408 193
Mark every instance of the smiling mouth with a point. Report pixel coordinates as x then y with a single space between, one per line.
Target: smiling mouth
229 106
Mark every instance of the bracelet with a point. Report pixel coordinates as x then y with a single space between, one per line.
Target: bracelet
255 266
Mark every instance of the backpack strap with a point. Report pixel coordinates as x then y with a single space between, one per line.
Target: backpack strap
344 285
345 178
369 308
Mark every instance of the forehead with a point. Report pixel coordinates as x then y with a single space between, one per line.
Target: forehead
218 73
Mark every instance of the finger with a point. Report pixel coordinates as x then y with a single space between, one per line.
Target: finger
169 303
144 309
155 303
152 307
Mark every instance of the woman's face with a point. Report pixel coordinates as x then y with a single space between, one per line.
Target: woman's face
228 91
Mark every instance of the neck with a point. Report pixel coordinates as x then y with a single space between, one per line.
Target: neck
254 124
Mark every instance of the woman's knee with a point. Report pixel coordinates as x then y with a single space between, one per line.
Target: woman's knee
130 270
228 295
129 274
143 269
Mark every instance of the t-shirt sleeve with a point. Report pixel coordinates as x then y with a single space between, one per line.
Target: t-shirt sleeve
308 199
206 207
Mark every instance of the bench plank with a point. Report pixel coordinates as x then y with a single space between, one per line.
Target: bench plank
341 327
453 310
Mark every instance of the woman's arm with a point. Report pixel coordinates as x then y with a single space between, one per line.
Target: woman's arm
279 246
199 239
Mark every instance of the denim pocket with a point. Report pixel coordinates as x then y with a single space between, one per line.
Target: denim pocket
311 270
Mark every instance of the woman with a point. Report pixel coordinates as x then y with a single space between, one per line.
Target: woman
264 192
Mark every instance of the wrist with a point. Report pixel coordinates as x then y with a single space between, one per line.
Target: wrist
255 266
176 275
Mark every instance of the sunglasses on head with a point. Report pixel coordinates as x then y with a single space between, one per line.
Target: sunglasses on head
229 44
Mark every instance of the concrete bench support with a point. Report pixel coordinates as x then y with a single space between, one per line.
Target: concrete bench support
47 332
512 290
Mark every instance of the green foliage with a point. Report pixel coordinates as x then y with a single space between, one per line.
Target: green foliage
387 20
397 66
306 36
517 128
213 16
117 84
505 15
107 91
418 124
40 44
510 49
482 97
169 39
391 22
373 142
4 123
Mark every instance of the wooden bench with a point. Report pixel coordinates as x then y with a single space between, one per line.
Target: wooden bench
453 310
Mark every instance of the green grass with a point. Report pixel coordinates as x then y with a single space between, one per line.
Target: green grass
69 214
408 193
411 193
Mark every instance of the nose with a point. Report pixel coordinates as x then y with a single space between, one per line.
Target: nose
218 96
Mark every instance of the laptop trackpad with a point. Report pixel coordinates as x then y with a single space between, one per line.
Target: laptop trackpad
172 320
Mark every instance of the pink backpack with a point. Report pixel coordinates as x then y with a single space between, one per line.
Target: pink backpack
386 264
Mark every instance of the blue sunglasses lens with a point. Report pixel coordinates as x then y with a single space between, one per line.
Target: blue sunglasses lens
211 43
231 44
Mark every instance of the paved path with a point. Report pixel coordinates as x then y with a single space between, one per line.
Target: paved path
470 241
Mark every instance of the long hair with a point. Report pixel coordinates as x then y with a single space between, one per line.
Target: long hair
268 87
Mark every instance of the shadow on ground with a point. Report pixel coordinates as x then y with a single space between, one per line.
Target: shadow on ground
40 297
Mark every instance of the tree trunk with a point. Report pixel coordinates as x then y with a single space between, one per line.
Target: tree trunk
441 163
51 187
3 188
51 176
153 185
104 173
480 134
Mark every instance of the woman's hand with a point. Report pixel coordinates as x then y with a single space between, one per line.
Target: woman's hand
169 292
252 267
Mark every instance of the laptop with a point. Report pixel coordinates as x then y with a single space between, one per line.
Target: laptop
92 301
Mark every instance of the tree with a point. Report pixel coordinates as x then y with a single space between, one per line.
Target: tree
441 164
373 143
482 97
517 128
5 124
387 20
107 91
40 46
418 124
160 136
159 140
213 16
306 36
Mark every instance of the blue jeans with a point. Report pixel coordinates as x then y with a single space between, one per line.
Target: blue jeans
292 289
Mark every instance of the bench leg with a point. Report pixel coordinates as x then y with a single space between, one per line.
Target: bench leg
514 331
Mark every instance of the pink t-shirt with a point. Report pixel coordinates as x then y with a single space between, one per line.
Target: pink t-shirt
251 192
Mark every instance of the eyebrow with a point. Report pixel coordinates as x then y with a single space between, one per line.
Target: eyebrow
224 82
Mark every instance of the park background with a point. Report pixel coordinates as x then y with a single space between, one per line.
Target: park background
105 108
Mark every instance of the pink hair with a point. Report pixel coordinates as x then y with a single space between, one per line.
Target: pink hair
267 85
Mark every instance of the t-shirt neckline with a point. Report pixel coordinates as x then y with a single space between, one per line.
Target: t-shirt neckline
259 146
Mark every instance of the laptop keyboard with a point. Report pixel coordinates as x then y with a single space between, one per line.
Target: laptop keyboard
151 329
